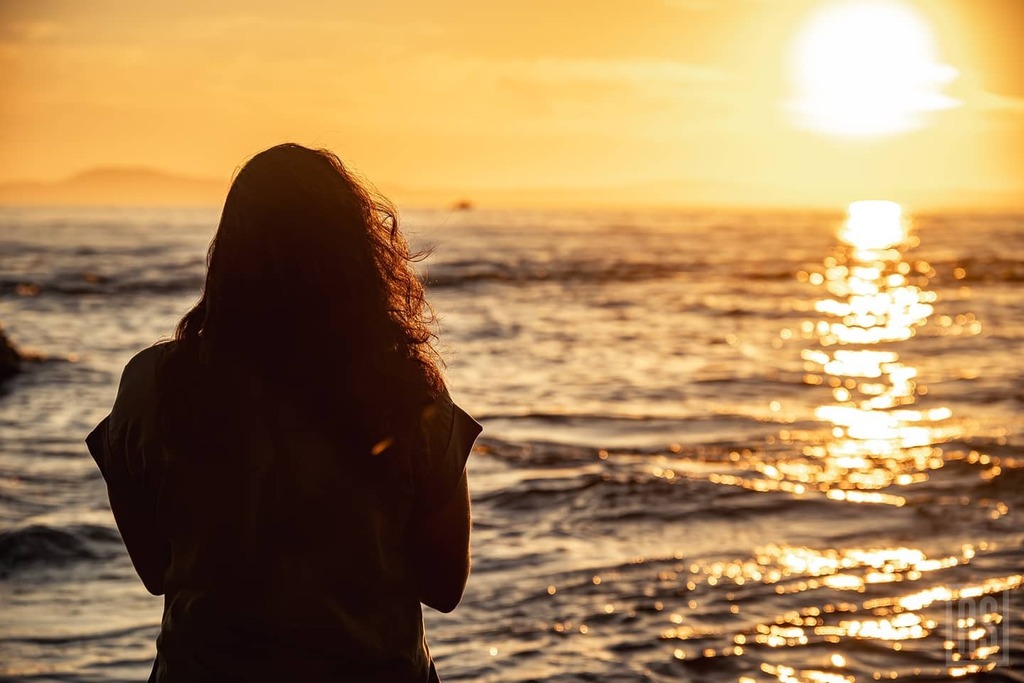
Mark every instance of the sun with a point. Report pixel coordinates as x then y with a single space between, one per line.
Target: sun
866 68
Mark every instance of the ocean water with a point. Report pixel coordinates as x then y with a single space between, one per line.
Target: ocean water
718 446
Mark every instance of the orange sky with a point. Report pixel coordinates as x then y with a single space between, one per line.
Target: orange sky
683 99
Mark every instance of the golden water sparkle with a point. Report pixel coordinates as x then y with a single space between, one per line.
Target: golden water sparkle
880 438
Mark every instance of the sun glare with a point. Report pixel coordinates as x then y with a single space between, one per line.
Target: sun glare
873 224
864 68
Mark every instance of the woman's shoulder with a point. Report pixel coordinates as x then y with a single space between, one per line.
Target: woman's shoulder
448 436
139 379
144 365
151 356
116 442
442 415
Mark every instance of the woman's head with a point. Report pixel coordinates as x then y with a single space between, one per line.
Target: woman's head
310 282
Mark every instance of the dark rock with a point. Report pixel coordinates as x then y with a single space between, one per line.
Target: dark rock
10 358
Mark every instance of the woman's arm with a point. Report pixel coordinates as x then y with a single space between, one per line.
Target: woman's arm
441 551
146 546
118 445
134 511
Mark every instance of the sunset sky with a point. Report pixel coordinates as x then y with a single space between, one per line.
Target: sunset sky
686 101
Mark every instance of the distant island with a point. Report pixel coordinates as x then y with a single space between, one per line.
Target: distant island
117 186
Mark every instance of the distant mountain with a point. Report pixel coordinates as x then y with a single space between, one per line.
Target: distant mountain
117 186
145 186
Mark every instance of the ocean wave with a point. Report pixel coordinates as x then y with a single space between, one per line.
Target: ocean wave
455 274
981 269
44 544
92 284
606 418
462 273
62 639
571 438
172 278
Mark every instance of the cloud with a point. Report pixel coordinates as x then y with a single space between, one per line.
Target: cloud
591 71
1001 104
30 31
571 77
706 5
625 97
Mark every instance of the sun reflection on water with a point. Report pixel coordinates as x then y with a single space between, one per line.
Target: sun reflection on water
894 620
879 440
874 224
864 466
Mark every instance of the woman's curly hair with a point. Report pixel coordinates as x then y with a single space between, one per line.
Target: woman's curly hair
310 286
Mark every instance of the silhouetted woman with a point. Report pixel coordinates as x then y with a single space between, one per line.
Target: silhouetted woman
289 471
